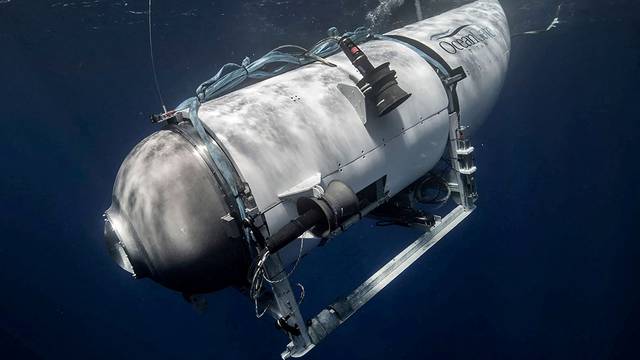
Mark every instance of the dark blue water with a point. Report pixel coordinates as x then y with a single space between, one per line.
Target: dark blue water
547 267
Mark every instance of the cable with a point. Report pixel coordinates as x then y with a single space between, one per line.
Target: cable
256 283
153 61
302 293
437 199
277 61
260 275
292 269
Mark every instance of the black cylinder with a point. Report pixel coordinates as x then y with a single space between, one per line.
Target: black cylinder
378 83
294 229
318 215
356 56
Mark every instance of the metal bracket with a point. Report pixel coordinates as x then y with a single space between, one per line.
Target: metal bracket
306 188
287 306
170 117
462 162
336 314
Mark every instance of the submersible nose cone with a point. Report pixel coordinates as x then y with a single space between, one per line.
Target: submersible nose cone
166 221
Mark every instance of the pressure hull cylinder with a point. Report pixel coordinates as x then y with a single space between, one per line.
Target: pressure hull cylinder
174 220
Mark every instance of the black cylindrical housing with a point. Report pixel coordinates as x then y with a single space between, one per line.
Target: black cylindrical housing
356 56
294 229
378 83
318 215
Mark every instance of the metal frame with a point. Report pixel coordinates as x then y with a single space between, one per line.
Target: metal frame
309 334
337 313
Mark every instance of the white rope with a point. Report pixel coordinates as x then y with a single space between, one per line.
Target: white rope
153 61
260 275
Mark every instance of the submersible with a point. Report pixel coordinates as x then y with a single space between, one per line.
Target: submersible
232 191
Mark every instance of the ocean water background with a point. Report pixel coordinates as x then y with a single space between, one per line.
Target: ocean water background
546 268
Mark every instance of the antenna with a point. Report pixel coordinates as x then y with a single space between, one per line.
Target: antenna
153 61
